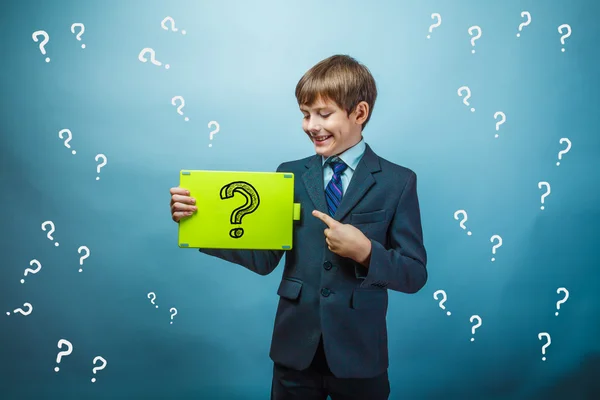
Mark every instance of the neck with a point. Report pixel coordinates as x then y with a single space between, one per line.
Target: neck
353 144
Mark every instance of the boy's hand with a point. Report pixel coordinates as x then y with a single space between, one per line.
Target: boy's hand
182 205
345 240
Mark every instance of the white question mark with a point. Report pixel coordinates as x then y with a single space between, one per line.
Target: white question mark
563 37
87 254
173 102
152 298
438 23
478 318
560 153
213 132
152 57
496 114
172 315
49 235
524 24
69 137
163 25
462 223
80 25
465 89
98 368
21 311
540 336
474 38
564 300
540 184
61 354
444 298
496 246
101 164
44 42
32 271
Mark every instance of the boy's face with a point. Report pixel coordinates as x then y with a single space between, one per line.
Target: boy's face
330 129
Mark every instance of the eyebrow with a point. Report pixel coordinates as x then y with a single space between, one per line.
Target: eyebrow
317 109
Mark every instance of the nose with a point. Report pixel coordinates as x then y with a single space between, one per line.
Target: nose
313 126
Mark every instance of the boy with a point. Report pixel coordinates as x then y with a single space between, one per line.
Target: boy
362 237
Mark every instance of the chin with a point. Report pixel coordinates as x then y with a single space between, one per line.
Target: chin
325 151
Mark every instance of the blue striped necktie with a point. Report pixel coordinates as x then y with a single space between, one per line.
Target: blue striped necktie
334 191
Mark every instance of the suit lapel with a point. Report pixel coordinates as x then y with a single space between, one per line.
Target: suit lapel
361 182
313 181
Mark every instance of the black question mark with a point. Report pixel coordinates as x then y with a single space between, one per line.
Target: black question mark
252 202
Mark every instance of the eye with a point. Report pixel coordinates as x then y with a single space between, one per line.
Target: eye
320 115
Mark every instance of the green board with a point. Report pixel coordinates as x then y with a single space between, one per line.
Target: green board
239 210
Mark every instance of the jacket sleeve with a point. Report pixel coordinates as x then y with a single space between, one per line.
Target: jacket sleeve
263 262
402 267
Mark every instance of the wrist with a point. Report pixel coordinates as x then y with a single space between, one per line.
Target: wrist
364 256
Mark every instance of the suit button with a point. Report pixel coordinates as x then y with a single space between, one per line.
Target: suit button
327 265
325 292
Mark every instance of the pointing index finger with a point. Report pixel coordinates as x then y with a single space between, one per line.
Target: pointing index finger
325 218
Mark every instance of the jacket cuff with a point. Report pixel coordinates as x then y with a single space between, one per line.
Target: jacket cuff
373 275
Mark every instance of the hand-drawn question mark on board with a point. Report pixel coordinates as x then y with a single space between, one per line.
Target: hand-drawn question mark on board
61 354
444 298
252 202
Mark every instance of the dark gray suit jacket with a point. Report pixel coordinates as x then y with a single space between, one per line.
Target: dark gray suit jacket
323 293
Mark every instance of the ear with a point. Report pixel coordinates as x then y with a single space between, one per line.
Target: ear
361 112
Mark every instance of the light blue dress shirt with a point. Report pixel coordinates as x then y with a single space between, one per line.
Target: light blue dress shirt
351 157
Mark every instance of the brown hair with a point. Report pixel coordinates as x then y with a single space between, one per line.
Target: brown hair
339 78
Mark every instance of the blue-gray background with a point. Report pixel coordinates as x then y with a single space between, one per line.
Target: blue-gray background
238 64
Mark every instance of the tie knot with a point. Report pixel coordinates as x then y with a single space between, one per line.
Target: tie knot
338 166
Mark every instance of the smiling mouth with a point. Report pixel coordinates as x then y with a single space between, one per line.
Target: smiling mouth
321 138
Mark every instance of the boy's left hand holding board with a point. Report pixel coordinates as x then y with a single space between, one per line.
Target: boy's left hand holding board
182 205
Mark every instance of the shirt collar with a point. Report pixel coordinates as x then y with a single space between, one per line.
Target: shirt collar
351 156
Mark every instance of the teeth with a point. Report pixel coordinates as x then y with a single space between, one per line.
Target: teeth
321 138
